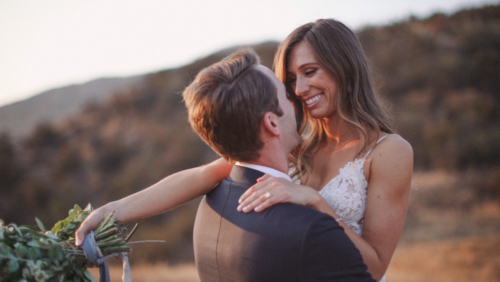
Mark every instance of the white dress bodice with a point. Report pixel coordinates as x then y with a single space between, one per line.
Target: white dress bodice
346 194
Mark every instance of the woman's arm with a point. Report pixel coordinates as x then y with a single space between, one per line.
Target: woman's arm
165 195
386 204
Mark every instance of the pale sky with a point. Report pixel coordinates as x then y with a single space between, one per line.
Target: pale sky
46 44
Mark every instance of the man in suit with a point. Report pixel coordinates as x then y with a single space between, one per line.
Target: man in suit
240 108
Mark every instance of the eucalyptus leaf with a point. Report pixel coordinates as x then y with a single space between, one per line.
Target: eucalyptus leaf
35 244
89 276
21 250
40 224
13 265
33 253
50 235
57 227
14 227
53 254
60 256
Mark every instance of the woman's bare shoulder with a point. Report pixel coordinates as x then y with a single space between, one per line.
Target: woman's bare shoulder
392 154
393 145
391 167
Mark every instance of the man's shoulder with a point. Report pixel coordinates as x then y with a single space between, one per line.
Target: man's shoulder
298 212
291 211
284 215
292 214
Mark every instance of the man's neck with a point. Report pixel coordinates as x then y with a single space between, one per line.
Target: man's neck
264 169
273 158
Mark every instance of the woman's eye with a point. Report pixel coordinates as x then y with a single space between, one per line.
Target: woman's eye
291 80
310 72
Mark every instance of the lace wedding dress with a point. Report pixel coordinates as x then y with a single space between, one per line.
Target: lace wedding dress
346 194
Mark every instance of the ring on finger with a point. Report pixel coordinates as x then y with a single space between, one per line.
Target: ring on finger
268 195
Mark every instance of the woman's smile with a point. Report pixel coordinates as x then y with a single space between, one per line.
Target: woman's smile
313 101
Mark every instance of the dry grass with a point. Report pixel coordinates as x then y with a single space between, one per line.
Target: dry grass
449 236
473 259
154 273
464 260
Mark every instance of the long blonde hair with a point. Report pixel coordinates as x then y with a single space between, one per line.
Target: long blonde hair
339 52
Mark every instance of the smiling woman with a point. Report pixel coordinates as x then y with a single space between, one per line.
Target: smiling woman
323 63
350 163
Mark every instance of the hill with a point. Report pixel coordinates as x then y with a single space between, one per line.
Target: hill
19 118
441 76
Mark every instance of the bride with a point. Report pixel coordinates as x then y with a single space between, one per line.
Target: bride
349 165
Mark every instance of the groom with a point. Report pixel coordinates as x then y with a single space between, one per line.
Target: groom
241 110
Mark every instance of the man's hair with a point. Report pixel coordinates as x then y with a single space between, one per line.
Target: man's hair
226 103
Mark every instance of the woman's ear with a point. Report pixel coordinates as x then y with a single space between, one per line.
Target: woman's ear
270 123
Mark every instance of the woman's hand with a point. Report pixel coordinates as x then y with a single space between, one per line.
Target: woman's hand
90 223
270 190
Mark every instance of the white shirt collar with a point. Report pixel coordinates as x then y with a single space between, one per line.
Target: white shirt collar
265 169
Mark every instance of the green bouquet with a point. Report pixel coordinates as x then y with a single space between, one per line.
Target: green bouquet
28 254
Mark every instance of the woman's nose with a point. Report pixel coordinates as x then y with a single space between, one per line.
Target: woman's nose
301 86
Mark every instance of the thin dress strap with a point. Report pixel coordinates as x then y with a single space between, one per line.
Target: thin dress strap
378 141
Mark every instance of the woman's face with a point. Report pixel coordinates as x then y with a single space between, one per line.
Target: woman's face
316 88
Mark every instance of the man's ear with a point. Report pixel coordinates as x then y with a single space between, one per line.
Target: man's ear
271 124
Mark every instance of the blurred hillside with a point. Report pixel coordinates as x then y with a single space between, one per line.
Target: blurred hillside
440 76
21 117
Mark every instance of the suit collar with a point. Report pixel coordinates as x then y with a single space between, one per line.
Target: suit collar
244 175
265 169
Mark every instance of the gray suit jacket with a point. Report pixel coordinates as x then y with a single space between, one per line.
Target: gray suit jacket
286 242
